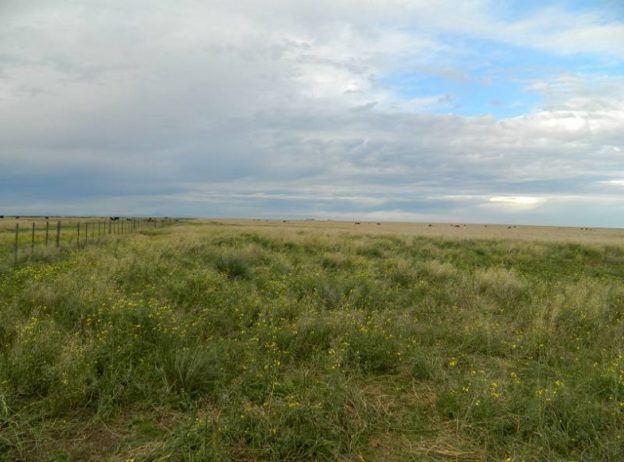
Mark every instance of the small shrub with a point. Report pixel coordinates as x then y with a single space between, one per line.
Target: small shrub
234 266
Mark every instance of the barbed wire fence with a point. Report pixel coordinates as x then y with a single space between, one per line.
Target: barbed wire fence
37 235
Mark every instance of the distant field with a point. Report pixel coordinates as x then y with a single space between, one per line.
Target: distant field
450 230
253 340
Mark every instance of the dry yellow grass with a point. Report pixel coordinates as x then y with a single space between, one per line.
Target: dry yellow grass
447 230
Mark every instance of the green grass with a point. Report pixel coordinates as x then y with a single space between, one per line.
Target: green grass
209 342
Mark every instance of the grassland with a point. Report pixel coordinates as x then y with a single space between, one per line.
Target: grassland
315 341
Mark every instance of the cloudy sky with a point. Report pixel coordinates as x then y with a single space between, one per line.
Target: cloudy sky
418 110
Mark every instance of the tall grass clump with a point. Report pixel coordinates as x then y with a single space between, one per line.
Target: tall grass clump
235 266
192 371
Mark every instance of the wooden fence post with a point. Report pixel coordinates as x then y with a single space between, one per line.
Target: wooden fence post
86 239
78 235
47 232
16 241
58 234
32 239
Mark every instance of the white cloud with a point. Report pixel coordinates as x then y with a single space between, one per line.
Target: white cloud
613 182
515 203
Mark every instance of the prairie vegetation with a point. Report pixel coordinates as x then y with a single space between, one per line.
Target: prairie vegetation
253 341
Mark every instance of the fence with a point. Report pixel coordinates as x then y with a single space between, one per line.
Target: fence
23 240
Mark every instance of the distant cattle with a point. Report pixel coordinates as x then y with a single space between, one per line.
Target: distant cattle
114 218
1 216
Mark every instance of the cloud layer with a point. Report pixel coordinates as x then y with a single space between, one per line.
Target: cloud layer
384 110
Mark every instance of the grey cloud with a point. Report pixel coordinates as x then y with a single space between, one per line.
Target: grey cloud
236 109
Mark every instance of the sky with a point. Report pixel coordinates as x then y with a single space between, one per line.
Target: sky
474 111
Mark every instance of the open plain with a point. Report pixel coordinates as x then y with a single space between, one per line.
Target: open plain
309 340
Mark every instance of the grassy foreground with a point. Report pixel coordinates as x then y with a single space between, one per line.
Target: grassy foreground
205 342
